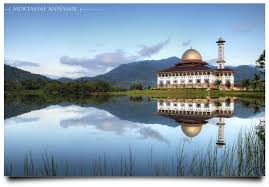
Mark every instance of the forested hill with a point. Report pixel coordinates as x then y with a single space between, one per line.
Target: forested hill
15 74
144 72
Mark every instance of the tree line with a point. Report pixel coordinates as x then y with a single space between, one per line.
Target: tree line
57 88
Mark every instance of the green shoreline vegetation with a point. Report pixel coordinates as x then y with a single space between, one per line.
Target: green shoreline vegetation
245 157
84 89
16 104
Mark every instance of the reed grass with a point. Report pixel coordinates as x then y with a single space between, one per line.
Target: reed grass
244 158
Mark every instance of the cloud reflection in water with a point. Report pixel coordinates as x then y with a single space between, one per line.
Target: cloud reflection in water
106 122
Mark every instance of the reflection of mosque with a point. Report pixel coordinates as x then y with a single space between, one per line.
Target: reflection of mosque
192 114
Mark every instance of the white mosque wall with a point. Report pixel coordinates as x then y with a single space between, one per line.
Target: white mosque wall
224 78
185 79
193 79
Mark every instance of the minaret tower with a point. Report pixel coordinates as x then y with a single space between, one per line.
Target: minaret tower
220 125
221 60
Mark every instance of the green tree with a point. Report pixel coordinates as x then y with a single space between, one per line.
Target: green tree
246 84
256 81
33 84
77 89
260 62
136 86
218 83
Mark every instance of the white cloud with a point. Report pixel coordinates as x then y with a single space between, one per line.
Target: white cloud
100 63
246 26
19 63
148 51
103 62
186 43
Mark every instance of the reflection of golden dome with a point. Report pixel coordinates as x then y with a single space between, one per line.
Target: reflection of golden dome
220 145
191 130
191 54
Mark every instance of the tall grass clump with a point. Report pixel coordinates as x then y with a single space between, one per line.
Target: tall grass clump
244 158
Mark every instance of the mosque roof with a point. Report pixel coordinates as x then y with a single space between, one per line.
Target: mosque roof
186 68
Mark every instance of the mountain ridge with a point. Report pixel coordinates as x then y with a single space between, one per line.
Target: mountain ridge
144 72
15 74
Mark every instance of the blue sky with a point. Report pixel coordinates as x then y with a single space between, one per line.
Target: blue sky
95 38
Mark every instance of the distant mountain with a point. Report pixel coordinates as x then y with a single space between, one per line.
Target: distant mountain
244 72
64 79
142 71
15 74
145 72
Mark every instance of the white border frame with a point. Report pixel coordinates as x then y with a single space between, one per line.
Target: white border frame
134 181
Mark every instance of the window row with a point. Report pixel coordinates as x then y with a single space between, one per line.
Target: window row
198 105
206 81
224 74
193 73
184 74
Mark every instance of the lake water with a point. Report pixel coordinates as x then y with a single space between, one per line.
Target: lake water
115 130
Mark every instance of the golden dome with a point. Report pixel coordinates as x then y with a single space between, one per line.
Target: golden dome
191 54
191 130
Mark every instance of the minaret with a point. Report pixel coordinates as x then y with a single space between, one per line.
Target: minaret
220 124
221 60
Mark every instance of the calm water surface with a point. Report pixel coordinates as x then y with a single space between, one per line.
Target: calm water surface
152 129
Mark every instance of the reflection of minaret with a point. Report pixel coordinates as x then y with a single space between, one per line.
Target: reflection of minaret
220 124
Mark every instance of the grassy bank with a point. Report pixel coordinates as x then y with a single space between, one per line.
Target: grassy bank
153 93
246 157
162 93
190 93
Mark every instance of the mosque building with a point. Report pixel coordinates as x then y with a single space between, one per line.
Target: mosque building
193 72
